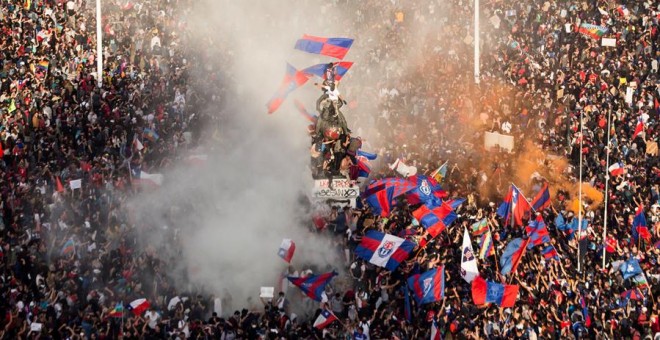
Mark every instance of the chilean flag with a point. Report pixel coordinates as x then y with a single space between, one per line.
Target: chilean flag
514 203
435 332
332 47
324 319
139 306
384 250
617 169
286 250
638 129
313 285
428 287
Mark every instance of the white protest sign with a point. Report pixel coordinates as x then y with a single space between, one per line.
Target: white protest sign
75 184
267 292
611 42
492 139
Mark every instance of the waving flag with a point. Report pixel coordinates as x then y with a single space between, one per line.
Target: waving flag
492 292
639 228
368 155
592 31
435 219
514 203
632 294
400 185
440 173
69 247
436 334
480 227
117 312
303 111
287 248
293 79
639 128
139 306
379 194
512 255
469 268
150 134
630 268
617 169
537 232
550 253
542 198
381 201
324 319
364 168
384 250
585 311
486 245
319 69
407 310
313 285
331 47
426 190
429 286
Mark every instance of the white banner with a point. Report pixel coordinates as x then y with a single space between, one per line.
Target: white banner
469 268
608 42
342 189
492 139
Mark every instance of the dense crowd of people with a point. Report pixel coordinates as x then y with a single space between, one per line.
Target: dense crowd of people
68 258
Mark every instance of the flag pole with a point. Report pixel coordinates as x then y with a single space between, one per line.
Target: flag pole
607 186
579 264
492 239
99 45
476 41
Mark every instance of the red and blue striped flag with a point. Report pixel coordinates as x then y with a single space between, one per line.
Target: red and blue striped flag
293 79
313 285
331 47
429 286
319 69
542 198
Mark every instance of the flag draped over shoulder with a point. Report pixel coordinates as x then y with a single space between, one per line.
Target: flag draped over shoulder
331 47
313 285
293 79
492 292
384 250
512 255
429 286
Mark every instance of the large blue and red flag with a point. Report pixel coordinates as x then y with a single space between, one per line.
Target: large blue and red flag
380 194
303 111
632 294
542 198
426 190
639 228
332 47
436 218
492 292
537 232
319 69
368 155
429 286
384 250
292 80
514 204
400 185
364 168
313 285
512 255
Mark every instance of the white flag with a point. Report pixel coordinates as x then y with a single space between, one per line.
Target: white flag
403 169
469 268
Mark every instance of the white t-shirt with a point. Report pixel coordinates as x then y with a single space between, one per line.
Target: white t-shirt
152 318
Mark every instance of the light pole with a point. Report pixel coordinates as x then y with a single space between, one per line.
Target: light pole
476 41
99 45
607 184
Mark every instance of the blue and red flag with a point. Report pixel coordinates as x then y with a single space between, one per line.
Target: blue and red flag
550 253
514 204
436 219
492 292
319 69
512 255
313 285
368 155
380 194
639 228
292 80
331 47
384 250
542 198
537 232
426 190
429 286
632 294
407 311
364 168
303 111
585 311
400 185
